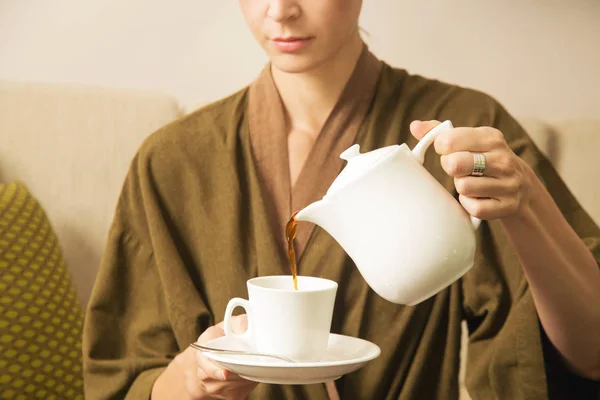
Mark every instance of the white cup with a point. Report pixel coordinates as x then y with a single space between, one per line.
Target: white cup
283 321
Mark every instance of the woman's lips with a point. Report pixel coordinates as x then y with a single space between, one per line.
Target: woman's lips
291 44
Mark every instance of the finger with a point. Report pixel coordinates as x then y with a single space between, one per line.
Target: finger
419 128
231 377
480 208
461 163
239 324
227 390
481 140
488 209
210 369
485 187
211 333
234 387
497 164
194 386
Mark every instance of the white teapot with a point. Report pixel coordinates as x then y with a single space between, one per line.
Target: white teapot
405 232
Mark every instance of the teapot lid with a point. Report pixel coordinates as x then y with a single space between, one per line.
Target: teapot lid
358 164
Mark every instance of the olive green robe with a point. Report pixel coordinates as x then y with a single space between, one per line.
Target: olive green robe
203 209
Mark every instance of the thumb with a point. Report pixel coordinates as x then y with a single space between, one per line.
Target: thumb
420 128
211 333
239 323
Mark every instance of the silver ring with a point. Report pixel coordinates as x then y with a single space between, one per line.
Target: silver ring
478 164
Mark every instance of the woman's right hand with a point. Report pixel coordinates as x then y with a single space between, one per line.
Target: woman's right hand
192 376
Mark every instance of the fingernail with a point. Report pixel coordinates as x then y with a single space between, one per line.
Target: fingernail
221 375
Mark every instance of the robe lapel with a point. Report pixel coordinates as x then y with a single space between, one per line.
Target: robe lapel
338 133
268 141
268 138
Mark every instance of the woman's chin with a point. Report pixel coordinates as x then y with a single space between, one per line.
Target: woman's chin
294 64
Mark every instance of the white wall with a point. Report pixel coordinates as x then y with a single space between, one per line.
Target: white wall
537 57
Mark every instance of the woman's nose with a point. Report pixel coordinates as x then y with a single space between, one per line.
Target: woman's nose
281 10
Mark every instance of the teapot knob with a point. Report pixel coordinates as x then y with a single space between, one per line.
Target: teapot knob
351 152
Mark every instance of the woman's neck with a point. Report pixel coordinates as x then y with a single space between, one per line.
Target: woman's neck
309 97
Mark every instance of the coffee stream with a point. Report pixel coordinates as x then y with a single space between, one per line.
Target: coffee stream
290 234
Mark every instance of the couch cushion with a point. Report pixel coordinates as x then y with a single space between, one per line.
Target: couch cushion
577 160
572 146
40 314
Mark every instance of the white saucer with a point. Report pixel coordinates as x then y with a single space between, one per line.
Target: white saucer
344 354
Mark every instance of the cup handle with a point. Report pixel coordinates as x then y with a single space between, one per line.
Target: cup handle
248 336
419 153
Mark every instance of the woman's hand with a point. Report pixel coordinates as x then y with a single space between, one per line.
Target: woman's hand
503 190
192 376
561 271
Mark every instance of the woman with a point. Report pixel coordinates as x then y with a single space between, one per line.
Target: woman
205 202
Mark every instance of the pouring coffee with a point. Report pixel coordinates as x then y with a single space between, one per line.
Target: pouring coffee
408 236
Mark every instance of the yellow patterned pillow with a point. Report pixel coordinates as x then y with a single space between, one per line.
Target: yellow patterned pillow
40 315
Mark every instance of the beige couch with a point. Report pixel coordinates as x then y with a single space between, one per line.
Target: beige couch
72 145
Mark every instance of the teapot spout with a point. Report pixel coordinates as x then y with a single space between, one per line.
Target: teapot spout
315 213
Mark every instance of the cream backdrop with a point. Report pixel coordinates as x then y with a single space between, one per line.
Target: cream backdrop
539 58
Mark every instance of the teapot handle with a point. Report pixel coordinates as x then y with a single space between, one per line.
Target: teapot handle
419 152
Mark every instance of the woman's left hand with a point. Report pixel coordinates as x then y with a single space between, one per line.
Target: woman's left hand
504 188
